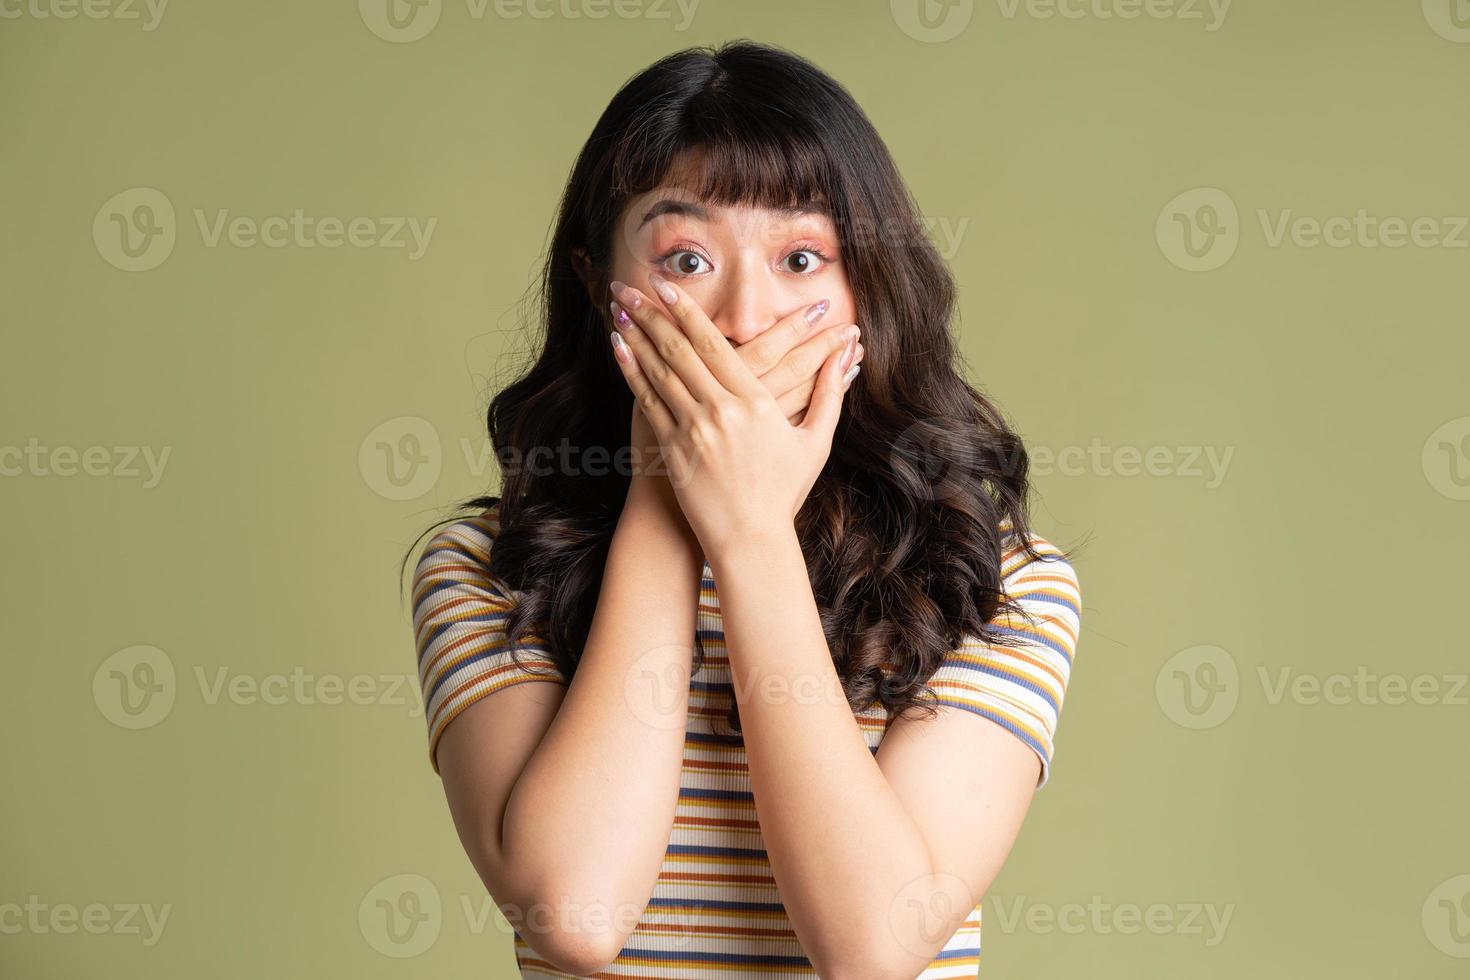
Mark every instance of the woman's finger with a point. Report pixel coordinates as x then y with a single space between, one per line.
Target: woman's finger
649 354
726 372
798 370
764 353
796 399
648 399
826 407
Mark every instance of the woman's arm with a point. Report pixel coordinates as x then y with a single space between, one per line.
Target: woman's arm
878 860
565 798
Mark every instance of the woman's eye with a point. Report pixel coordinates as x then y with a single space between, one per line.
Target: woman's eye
685 262
805 260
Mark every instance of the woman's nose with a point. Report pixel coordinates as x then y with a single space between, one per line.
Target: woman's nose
744 309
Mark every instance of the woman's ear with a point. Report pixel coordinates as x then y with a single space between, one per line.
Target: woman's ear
585 272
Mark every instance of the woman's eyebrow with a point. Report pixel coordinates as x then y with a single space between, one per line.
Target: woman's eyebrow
671 206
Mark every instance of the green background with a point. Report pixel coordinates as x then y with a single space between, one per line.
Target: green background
1332 834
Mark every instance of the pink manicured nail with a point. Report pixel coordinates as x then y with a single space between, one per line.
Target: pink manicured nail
816 311
620 315
620 347
849 353
662 287
627 294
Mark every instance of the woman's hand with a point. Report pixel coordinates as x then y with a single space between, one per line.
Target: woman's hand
789 356
738 467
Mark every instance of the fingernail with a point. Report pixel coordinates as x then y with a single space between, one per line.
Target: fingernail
627 294
662 287
852 372
620 347
850 352
816 311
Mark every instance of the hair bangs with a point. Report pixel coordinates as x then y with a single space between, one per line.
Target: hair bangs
731 159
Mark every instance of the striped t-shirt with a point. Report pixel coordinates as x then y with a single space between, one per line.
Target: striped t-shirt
715 911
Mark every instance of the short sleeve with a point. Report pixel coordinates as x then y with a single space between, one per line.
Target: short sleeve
459 612
1019 681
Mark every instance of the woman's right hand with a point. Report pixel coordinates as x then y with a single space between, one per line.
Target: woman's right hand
788 357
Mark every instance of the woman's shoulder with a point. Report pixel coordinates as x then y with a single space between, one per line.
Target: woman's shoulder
1042 565
466 539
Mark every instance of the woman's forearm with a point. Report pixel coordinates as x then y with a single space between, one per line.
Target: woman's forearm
591 813
842 846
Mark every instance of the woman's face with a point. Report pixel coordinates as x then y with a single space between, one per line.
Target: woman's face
746 267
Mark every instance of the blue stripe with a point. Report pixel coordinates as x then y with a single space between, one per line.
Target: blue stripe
1026 683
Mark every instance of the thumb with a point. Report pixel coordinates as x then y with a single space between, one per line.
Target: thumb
826 402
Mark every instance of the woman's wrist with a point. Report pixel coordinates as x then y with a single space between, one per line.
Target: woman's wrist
753 542
652 504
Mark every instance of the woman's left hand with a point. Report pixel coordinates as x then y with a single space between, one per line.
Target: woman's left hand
739 467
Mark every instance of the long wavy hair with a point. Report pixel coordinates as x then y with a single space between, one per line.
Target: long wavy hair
904 529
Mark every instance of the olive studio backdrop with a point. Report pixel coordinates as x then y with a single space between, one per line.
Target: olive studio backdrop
261 267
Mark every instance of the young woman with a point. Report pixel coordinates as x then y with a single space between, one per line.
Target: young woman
802 659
